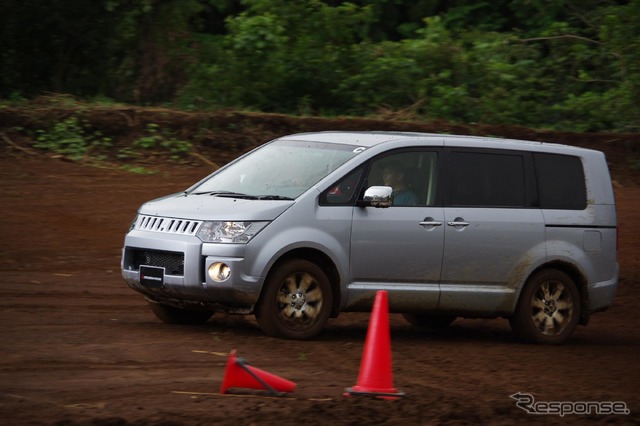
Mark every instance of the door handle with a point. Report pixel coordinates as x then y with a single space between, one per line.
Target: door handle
429 221
458 222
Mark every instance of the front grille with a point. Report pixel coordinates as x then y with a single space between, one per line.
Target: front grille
173 262
167 225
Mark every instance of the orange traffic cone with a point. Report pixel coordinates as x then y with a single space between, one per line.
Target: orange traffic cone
375 377
239 374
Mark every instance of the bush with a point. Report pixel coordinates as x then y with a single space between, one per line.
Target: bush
72 138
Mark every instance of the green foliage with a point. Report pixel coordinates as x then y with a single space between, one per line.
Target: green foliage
72 138
139 170
568 64
289 58
156 138
279 56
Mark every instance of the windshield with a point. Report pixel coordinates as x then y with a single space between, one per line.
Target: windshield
282 169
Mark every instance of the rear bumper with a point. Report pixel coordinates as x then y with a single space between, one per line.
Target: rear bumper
602 294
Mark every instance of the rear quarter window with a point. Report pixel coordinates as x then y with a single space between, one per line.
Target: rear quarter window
561 182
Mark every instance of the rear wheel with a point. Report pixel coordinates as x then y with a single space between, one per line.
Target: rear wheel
296 301
430 322
548 310
173 315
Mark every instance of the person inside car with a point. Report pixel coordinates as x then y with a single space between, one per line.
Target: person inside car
393 175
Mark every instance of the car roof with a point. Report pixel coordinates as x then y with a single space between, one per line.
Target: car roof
370 139
358 138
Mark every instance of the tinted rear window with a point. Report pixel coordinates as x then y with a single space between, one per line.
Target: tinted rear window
561 183
487 180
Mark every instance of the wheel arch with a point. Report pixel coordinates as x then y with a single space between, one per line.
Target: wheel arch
323 261
577 277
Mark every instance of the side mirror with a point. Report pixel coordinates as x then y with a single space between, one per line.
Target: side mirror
377 196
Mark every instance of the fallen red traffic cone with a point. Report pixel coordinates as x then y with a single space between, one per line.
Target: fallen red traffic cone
375 377
239 374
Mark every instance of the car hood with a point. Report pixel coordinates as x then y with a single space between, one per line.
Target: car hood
208 207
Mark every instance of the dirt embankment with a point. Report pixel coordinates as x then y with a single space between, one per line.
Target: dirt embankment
220 136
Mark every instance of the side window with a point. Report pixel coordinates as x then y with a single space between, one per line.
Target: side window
486 179
411 174
561 182
343 191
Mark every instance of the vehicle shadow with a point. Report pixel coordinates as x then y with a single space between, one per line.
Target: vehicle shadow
354 327
460 330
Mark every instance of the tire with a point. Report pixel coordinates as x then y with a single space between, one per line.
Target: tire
296 301
548 310
171 315
430 322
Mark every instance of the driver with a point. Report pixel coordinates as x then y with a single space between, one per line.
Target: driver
393 175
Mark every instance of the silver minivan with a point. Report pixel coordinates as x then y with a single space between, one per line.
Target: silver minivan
310 225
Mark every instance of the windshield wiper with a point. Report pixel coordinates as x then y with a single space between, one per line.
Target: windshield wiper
273 197
222 194
230 194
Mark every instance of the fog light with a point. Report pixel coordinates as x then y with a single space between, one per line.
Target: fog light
219 271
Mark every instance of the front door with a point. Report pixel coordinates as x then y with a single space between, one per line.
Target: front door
399 248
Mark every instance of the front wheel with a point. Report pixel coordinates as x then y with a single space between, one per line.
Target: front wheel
296 301
548 310
172 315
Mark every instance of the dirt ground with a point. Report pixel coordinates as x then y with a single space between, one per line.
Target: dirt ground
78 347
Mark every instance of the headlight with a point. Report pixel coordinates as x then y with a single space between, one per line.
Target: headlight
229 232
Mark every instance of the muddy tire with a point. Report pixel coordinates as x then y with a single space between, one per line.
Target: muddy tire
548 310
296 301
172 315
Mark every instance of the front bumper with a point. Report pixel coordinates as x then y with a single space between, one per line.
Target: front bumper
189 284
